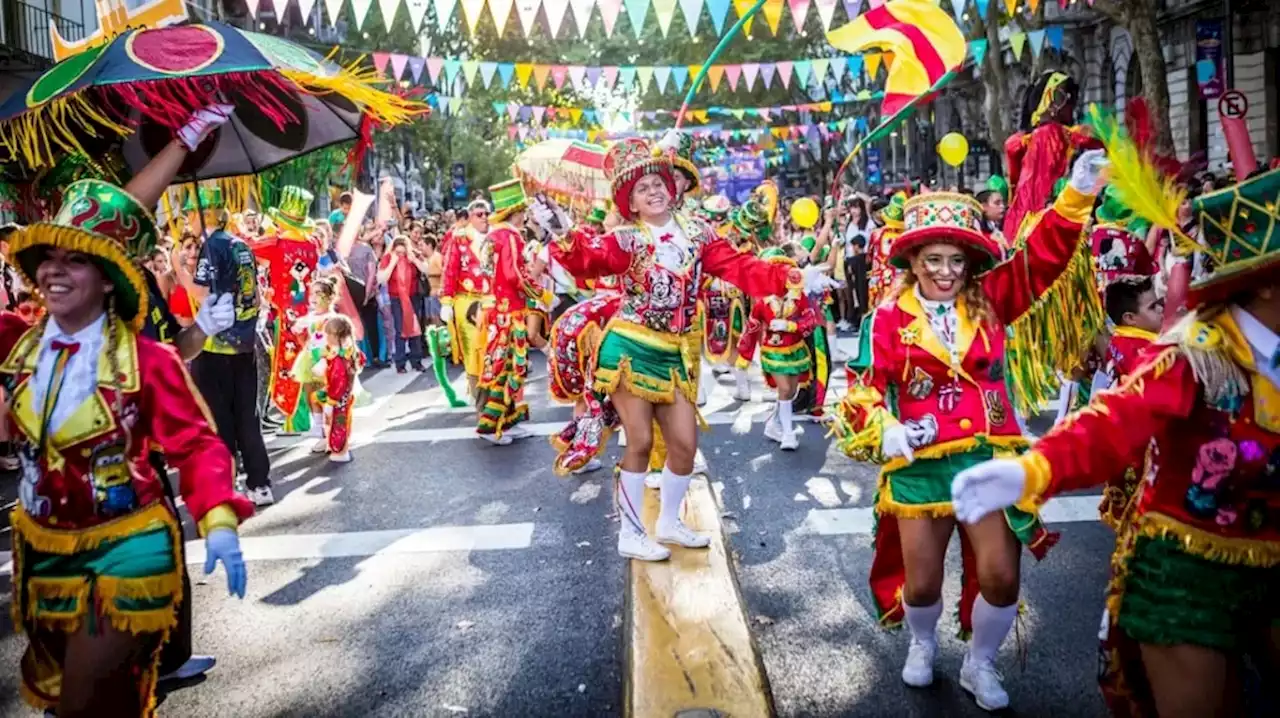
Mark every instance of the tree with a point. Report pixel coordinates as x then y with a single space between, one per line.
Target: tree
1139 17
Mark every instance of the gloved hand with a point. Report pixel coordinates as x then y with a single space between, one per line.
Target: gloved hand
670 141
815 278
446 314
224 545
894 442
216 314
780 325
990 486
202 123
1086 173
550 218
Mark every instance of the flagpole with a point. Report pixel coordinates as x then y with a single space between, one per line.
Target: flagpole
715 54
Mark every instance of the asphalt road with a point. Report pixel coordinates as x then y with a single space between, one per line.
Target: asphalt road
439 576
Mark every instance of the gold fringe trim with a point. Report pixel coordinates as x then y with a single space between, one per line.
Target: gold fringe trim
355 82
156 620
1055 334
1001 446
1214 362
40 136
145 588
66 543
1210 546
914 511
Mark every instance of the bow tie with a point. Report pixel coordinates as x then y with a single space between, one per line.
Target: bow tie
69 347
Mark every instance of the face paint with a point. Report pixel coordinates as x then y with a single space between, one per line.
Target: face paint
941 270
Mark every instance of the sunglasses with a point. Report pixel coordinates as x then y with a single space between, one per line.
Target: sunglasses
479 213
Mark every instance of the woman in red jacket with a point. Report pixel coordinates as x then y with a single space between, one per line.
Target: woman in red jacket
939 348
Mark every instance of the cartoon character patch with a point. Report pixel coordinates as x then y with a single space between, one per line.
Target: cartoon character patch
909 335
949 396
921 384
996 412
112 482
664 290
1206 496
922 431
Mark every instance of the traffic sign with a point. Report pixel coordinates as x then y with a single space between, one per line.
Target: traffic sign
1233 105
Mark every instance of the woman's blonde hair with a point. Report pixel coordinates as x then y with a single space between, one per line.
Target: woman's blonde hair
976 303
341 327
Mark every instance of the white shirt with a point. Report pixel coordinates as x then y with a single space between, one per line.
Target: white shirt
943 320
671 254
851 232
1262 340
81 378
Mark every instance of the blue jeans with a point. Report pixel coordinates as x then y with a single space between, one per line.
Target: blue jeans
413 346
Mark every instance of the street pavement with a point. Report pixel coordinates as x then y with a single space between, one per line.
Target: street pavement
437 575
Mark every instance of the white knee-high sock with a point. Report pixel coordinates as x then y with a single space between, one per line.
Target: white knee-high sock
990 626
629 495
922 621
740 378
674 487
784 416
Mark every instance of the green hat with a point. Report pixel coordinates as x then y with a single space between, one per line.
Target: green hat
1240 232
508 198
1112 211
808 242
599 212
210 197
892 212
996 183
717 206
294 211
105 222
680 147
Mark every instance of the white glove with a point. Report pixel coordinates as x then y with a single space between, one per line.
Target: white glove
669 141
779 325
1087 171
894 442
990 486
446 314
815 278
216 314
202 123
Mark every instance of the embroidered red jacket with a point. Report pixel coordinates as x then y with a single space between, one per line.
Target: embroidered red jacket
468 264
801 320
657 295
513 286
1213 479
950 404
93 468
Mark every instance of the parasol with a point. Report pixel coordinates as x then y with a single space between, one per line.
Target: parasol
565 167
144 84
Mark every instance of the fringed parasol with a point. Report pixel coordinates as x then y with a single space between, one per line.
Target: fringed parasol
566 168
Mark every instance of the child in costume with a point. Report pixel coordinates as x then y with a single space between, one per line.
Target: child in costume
648 355
778 326
938 349
339 370
881 273
1195 580
321 304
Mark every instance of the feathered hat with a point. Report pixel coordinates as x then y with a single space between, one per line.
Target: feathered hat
946 217
629 160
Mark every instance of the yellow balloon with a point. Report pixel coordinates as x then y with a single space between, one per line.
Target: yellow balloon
953 148
804 212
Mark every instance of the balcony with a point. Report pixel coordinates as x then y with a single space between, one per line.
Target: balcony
24 35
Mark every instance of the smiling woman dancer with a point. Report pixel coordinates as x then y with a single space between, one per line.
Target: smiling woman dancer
938 348
647 360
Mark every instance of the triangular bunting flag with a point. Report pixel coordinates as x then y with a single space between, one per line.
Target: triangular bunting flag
417 11
627 75
855 69
838 65
555 10
750 71
803 68
582 15
741 7
444 11
415 68
732 73
610 76
661 74
873 63
513 111
538 113
957 10
361 10
332 10
527 11
506 71
680 75
575 114
512 132
577 73
978 50
558 75
851 8
380 60
719 10
1054 35
766 74
636 12
1017 43
645 73
826 11
444 105
500 108
820 70
470 12
589 116
593 77
773 15
784 72
279 6
451 69
434 65
540 74
398 63
1037 42
469 70
715 74
609 11
524 71
1034 5
388 8
984 7
486 73
665 10
1010 6
692 10
799 12
500 10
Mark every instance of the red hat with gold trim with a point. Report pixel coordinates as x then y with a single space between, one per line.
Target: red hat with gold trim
947 217
629 160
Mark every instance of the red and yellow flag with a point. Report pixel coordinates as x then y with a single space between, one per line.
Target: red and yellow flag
925 42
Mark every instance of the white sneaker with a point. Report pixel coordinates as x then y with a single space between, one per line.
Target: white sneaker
742 394
592 465
343 458
195 666
682 535
320 447
773 430
843 326
982 680
700 463
653 480
517 432
839 356
316 431
262 496
503 440
917 672
790 442
640 547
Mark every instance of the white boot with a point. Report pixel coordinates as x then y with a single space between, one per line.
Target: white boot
317 425
700 463
742 388
786 428
772 426
592 465
670 528
632 540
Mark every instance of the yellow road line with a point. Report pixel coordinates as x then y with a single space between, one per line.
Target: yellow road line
690 646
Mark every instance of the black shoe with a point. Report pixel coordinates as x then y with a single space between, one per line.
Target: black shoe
401 370
421 368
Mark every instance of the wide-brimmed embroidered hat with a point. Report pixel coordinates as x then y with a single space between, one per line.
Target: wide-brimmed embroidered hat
294 212
947 217
508 198
104 222
626 162
776 255
1240 233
